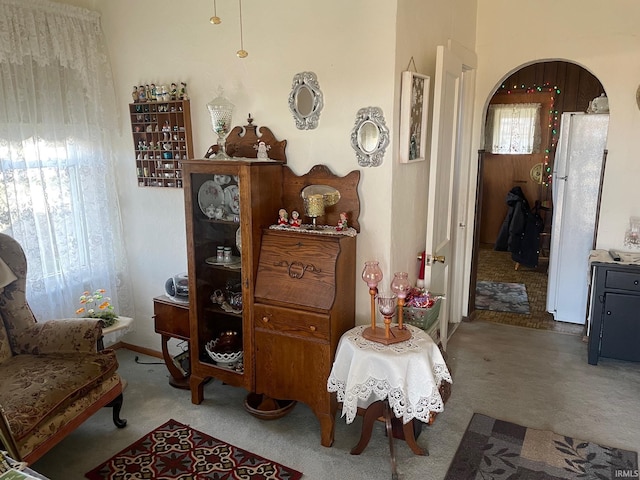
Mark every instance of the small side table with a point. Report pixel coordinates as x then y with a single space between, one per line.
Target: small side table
400 380
115 332
171 320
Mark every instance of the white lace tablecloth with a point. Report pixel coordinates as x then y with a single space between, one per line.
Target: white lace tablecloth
408 374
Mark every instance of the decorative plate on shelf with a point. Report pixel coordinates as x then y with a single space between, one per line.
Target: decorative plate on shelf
210 193
232 199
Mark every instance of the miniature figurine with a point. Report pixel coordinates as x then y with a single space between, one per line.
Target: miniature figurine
147 92
141 94
174 91
283 217
342 223
295 220
183 91
154 92
134 94
262 149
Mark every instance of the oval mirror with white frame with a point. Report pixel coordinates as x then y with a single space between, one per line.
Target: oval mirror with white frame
305 100
370 136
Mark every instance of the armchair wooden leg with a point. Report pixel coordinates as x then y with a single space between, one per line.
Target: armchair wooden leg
116 404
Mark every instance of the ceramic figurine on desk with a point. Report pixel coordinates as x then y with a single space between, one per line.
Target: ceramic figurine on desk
262 149
283 217
295 220
343 224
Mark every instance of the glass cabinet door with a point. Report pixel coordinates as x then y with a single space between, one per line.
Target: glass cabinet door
228 203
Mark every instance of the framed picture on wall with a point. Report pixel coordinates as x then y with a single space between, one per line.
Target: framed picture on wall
414 105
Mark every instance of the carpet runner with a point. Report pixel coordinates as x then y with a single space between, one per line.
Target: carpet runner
502 297
495 449
175 451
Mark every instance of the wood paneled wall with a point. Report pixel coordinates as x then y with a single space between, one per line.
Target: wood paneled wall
577 88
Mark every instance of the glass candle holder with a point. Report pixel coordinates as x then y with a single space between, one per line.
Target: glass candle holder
220 111
400 286
372 275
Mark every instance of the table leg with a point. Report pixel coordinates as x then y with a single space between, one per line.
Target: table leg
176 378
387 421
410 438
373 412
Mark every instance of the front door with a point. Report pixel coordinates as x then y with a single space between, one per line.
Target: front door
439 245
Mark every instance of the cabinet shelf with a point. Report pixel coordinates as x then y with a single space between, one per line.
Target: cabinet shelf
161 140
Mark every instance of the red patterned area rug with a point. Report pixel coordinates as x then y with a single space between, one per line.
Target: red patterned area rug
175 451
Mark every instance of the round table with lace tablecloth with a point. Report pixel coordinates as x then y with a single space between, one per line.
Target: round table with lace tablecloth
403 378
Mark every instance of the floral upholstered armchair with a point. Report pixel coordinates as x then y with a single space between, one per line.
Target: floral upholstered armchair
52 378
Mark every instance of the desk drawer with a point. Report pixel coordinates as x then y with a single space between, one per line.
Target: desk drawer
298 268
171 319
291 322
623 280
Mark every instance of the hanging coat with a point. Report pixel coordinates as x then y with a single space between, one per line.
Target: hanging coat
520 231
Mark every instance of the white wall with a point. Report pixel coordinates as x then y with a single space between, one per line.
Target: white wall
421 27
161 41
603 38
356 48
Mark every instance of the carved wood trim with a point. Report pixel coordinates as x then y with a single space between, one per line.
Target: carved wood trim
242 142
321 175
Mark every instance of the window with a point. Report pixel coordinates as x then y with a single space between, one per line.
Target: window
513 128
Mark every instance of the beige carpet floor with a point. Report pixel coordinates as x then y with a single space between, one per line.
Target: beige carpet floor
536 378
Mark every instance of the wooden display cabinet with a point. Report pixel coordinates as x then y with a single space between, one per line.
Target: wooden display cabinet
256 185
161 140
305 299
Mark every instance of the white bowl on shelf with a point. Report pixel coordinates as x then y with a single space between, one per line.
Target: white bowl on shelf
228 360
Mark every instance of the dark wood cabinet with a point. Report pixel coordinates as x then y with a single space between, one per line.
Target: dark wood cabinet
247 190
171 320
614 331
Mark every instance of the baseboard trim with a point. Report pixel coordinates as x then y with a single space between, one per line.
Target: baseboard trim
135 348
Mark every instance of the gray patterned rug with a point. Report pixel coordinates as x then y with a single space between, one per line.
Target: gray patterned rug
502 297
498 450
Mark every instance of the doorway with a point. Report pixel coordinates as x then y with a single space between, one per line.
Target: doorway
558 87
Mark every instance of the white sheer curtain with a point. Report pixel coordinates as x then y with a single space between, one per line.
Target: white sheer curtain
57 187
513 128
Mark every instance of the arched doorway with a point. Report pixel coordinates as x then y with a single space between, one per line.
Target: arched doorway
559 87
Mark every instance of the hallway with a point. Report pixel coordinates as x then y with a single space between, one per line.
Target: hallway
499 267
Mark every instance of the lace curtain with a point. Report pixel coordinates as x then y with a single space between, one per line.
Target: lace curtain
513 128
57 184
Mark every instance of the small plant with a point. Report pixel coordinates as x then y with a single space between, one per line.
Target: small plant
96 305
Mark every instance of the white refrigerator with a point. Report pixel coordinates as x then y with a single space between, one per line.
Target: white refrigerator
575 187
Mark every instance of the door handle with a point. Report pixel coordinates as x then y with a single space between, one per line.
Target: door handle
435 259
